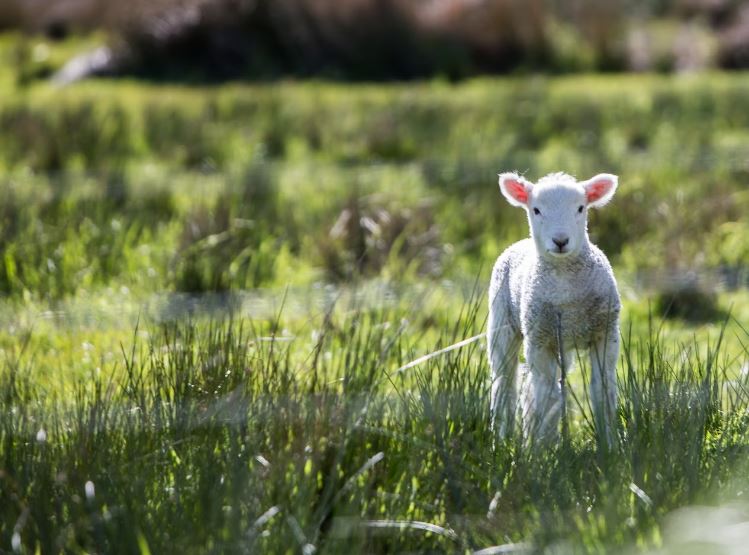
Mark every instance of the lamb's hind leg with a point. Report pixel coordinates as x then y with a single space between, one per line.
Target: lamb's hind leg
503 344
603 356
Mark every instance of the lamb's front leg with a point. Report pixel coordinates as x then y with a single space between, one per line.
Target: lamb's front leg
503 345
603 356
541 398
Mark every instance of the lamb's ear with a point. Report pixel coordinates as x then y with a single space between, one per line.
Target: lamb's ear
516 189
600 189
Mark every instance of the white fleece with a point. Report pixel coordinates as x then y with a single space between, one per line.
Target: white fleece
556 275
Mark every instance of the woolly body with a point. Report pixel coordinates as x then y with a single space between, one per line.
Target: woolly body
556 276
533 291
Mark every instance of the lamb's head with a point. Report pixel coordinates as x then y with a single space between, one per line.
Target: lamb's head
557 208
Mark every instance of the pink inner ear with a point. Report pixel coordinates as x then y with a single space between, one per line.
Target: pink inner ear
517 190
597 190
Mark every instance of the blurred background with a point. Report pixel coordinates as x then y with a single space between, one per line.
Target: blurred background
197 146
394 39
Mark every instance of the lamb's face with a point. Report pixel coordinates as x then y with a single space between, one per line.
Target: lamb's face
557 214
558 208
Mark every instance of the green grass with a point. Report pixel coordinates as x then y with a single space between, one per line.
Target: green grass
240 186
151 172
213 437
169 261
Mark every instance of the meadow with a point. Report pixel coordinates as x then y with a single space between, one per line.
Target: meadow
208 295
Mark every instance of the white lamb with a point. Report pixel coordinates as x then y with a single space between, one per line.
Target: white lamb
555 285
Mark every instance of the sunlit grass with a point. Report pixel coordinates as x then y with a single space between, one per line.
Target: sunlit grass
153 171
269 435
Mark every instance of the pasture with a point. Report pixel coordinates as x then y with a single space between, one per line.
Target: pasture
208 296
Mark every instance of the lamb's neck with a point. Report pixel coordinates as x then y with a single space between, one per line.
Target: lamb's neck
564 265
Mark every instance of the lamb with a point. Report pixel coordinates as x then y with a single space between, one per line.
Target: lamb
555 287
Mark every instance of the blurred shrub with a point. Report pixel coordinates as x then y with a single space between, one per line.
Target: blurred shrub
733 51
688 301
234 242
189 136
368 238
267 38
76 135
731 245
71 237
671 45
394 39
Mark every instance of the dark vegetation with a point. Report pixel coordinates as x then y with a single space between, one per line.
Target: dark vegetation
395 39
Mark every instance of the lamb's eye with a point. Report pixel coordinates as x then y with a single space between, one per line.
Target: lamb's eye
580 210
536 211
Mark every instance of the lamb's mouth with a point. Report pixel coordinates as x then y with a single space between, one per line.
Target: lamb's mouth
560 253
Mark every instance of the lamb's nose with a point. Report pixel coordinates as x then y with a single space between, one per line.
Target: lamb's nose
560 241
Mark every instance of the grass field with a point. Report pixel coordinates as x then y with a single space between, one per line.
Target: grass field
208 294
